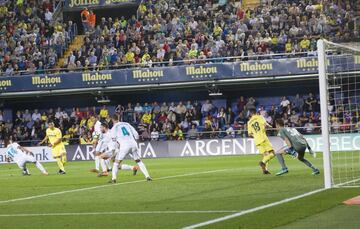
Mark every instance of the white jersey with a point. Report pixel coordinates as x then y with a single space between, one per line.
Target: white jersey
103 142
97 130
13 151
18 156
124 133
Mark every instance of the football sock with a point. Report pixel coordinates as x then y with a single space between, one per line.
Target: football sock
108 164
64 159
97 162
115 169
60 164
281 161
126 167
308 164
40 167
143 169
267 158
103 165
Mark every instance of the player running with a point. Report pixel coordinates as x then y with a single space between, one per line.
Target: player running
296 146
257 129
106 151
125 138
20 155
54 138
99 146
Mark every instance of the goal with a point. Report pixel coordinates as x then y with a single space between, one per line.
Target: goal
339 83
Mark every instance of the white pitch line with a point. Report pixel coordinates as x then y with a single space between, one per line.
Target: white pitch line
109 185
115 213
251 210
345 183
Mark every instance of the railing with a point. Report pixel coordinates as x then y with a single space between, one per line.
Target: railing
58 11
169 63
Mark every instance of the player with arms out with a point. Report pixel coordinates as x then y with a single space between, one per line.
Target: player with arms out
257 129
296 146
125 138
107 151
20 155
54 139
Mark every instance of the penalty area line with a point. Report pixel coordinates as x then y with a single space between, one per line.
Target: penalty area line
251 210
111 185
116 213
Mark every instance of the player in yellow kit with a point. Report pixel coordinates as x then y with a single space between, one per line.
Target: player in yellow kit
54 139
257 129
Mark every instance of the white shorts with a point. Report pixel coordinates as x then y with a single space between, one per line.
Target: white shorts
128 149
101 146
107 154
22 160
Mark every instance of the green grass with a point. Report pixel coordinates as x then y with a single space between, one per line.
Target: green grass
234 185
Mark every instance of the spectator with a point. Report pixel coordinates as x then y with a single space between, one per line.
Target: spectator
85 14
309 127
284 104
298 103
155 134
36 115
193 133
146 118
310 103
104 112
206 108
92 20
48 16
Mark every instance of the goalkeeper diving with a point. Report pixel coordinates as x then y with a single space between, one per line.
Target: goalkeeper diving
296 147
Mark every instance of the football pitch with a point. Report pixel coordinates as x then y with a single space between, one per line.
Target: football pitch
184 192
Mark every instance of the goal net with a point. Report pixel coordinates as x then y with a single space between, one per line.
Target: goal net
339 81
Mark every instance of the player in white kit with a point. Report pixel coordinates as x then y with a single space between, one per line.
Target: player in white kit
108 151
21 156
125 138
99 147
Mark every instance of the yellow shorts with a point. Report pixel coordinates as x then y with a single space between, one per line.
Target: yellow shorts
58 150
265 147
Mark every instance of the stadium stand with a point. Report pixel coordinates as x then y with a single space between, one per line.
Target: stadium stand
173 32
31 41
177 121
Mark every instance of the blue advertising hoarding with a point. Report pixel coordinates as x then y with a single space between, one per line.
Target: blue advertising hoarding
187 73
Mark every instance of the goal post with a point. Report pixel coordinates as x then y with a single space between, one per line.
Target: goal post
339 87
324 112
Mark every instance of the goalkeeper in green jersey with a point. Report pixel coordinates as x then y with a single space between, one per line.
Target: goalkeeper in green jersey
296 147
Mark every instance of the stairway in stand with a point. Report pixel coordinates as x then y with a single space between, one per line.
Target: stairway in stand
251 3
75 45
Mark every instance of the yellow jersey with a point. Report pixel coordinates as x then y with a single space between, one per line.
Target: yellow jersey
104 113
257 128
53 136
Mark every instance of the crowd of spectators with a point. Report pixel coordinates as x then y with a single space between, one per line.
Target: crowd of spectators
30 40
186 32
170 31
182 120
